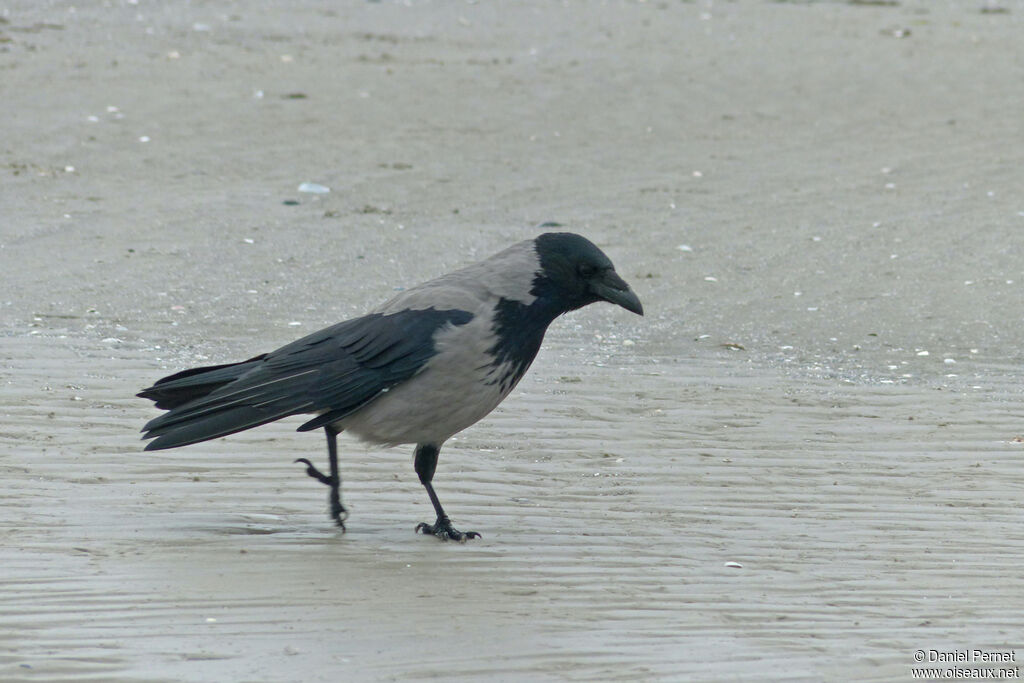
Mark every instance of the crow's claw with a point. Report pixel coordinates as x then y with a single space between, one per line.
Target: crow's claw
312 471
444 530
338 512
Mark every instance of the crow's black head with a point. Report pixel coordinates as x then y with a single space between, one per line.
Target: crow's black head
574 273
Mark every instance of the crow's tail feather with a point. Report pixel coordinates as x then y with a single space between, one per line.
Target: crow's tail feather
206 403
185 386
212 425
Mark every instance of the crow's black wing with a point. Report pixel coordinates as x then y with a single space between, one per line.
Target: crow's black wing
333 372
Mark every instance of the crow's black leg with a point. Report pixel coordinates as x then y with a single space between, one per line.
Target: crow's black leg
426 463
338 512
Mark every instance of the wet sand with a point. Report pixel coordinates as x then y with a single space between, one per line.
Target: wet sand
819 204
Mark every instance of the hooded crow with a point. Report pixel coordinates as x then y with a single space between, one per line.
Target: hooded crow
417 370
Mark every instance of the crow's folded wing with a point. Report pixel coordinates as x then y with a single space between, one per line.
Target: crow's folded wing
332 372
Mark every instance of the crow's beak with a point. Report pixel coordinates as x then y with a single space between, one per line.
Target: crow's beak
612 288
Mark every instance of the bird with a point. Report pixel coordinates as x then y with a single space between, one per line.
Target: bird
420 368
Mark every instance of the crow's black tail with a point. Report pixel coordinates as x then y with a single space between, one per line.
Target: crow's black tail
180 388
205 403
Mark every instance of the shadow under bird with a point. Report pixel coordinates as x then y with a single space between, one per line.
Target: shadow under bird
420 368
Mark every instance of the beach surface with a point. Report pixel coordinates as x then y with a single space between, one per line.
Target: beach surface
804 463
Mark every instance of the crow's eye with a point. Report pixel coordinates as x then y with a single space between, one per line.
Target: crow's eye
587 271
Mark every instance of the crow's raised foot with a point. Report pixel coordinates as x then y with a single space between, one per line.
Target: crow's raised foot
444 530
338 512
312 471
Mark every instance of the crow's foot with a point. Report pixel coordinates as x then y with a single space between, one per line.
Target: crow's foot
444 530
312 471
338 512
